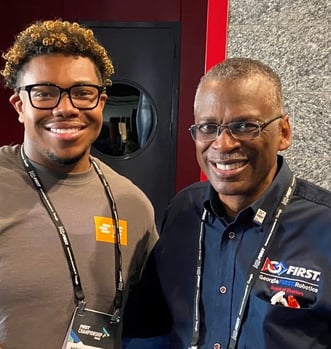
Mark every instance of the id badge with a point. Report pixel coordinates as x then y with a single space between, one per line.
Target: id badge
90 329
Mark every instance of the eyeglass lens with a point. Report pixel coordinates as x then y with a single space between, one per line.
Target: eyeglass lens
238 130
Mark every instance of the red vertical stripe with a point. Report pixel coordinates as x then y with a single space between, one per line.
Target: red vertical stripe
216 36
216 33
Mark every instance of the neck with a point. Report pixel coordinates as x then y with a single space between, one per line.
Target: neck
234 204
79 163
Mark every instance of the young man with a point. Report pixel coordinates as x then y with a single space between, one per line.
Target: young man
74 234
244 258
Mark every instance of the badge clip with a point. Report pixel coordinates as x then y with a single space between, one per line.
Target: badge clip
116 316
81 307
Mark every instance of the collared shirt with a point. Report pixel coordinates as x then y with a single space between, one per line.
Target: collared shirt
296 266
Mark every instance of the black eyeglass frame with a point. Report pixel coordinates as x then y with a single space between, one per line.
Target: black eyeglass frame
253 134
28 88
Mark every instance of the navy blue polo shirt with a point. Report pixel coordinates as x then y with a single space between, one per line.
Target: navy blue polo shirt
297 265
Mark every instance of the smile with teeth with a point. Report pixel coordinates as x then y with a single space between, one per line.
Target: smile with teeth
229 166
65 130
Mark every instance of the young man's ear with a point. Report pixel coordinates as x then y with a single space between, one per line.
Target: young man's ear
16 101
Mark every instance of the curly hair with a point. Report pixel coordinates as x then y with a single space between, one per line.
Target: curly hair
55 36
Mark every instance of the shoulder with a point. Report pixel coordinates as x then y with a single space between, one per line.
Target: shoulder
313 194
9 154
127 194
186 206
10 162
194 193
118 182
311 205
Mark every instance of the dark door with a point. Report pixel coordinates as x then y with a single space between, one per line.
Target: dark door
140 118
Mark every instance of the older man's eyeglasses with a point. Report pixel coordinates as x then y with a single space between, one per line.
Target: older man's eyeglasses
240 130
48 96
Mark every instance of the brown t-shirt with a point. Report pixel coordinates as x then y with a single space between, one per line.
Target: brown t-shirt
36 292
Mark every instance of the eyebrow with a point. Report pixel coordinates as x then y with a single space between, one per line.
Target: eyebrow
213 119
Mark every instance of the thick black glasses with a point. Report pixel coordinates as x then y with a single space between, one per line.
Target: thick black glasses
240 130
48 96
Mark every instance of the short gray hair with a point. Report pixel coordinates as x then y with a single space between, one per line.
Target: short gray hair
238 68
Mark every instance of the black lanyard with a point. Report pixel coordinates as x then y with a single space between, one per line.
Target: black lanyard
77 286
253 271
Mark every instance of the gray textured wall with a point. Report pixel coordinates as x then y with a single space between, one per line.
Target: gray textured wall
293 37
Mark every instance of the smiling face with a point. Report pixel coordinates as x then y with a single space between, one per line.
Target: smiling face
240 171
59 138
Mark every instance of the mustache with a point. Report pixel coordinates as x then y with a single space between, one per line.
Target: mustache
233 156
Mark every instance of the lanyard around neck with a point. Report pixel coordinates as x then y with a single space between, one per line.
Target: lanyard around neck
253 271
63 235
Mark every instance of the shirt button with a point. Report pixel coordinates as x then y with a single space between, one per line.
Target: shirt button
223 289
217 346
232 235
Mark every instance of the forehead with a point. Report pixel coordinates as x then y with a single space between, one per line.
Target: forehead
59 69
240 96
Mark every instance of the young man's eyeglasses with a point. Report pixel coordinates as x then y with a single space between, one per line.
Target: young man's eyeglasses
240 130
48 96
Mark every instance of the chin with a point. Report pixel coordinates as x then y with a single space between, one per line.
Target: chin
65 160
229 188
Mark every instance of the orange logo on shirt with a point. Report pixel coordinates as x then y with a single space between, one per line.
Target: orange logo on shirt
105 230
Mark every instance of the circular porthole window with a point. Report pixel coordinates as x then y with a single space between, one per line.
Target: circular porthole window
128 121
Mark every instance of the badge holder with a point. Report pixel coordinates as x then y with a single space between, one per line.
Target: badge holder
90 329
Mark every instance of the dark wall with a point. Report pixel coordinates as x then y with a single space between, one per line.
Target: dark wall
191 14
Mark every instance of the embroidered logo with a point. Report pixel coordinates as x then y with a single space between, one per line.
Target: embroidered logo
274 267
280 268
293 278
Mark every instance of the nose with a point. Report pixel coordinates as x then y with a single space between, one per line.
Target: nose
65 96
221 128
65 107
224 140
